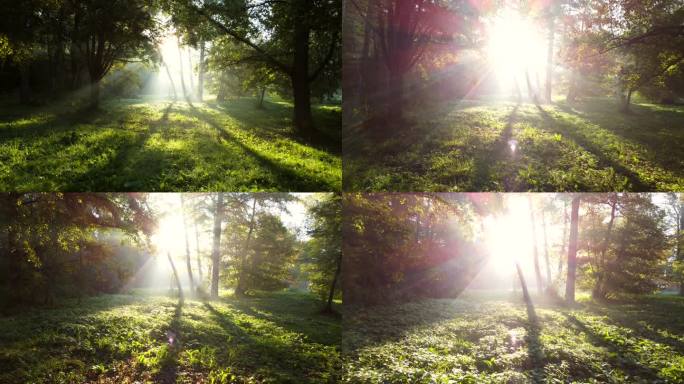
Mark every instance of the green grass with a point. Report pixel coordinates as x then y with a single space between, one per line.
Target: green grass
136 145
270 338
495 338
587 146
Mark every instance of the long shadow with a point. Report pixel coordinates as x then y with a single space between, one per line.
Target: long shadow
276 119
657 316
621 359
603 160
661 146
290 318
168 371
535 353
284 175
270 353
95 176
57 122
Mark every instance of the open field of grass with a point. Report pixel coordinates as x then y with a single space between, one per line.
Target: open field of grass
586 146
136 145
497 338
270 338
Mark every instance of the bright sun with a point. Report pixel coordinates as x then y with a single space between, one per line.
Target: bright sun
509 236
515 46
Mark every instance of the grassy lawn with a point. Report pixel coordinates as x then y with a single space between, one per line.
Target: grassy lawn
587 146
496 338
271 338
137 145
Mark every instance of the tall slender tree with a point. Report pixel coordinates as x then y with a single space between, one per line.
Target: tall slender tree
572 251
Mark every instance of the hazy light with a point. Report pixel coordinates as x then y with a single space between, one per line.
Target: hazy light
509 236
516 49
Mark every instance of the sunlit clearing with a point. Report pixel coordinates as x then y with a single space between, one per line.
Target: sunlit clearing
516 48
175 62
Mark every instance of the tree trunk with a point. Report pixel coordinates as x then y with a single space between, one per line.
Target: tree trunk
523 285
572 252
180 65
25 84
300 80
187 245
200 74
564 245
628 100
176 277
241 288
537 269
546 250
599 291
394 109
261 98
549 54
331 293
218 218
168 74
94 93
192 78
199 258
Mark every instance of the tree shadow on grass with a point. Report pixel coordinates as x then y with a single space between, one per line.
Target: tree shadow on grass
262 354
285 175
630 126
648 319
53 122
291 314
603 160
100 176
168 370
620 358
660 145
275 119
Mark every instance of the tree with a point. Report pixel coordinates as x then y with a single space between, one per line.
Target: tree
216 245
324 251
257 204
537 269
109 31
187 244
572 251
62 245
297 38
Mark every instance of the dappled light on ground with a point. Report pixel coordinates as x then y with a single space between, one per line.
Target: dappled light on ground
165 145
475 146
496 337
269 338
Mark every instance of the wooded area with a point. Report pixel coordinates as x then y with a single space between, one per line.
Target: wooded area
229 287
127 78
486 287
445 95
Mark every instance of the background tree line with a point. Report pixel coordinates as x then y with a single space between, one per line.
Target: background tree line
292 46
401 55
407 246
55 246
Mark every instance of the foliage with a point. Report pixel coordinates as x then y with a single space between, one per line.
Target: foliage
59 245
466 146
322 254
491 338
270 338
138 145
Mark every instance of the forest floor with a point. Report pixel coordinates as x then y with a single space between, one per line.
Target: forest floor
269 338
143 145
493 337
585 146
